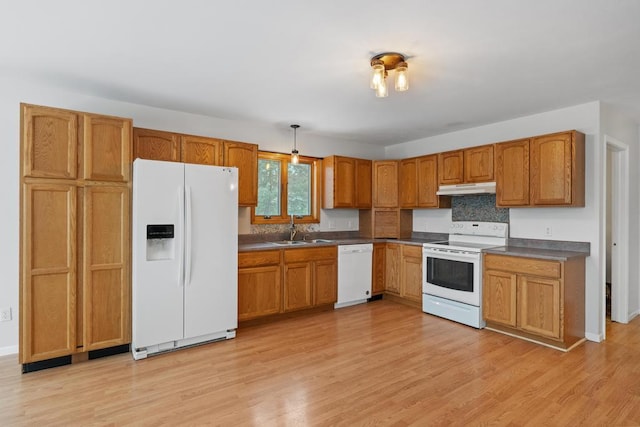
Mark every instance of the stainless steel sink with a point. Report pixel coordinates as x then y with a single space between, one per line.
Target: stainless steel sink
320 241
290 242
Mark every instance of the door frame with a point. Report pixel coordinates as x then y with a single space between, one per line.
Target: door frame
620 222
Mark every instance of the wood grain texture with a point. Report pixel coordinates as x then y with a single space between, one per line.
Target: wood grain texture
373 364
512 173
478 164
201 150
156 145
378 266
106 148
385 184
451 167
49 141
244 156
364 192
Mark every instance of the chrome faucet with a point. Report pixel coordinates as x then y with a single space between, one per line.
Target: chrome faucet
292 229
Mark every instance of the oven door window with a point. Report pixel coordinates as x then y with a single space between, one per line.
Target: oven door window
450 274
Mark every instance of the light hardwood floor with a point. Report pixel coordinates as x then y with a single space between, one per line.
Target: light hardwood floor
375 364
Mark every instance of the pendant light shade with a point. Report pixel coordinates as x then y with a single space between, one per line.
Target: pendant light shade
295 156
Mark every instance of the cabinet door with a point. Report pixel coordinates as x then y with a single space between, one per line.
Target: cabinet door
551 171
499 297
325 280
49 263
298 288
392 264
156 145
49 142
344 182
450 167
512 173
408 188
363 184
201 150
539 306
106 267
428 183
245 158
259 292
411 273
378 273
106 145
478 164
385 184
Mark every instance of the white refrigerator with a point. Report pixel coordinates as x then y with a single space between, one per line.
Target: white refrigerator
185 255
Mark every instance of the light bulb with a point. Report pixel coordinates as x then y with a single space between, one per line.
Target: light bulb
381 90
402 82
377 75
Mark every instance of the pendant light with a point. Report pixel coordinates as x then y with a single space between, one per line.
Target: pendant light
295 156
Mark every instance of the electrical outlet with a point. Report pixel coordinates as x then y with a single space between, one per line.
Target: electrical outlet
5 314
547 231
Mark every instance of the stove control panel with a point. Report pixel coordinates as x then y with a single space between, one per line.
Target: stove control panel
489 229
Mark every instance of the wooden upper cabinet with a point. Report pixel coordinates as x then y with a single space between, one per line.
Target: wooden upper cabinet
201 150
49 271
385 184
106 268
451 167
512 173
340 180
408 179
49 142
245 157
106 146
156 145
347 182
418 178
363 184
478 164
557 169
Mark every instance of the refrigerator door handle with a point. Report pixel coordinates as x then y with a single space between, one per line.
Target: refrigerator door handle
188 236
181 234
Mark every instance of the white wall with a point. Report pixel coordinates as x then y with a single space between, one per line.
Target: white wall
615 124
573 224
14 91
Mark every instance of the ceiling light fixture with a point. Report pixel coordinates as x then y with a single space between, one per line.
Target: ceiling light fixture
295 156
380 65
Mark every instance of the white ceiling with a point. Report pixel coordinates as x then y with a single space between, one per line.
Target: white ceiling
293 61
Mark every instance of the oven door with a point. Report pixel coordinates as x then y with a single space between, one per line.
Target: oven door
452 275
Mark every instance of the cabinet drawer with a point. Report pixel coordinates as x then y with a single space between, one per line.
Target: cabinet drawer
412 251
258 258
310 254
515 264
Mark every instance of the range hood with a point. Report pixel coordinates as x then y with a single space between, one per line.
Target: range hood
462 189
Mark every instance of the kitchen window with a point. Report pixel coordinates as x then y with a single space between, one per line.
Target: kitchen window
286 189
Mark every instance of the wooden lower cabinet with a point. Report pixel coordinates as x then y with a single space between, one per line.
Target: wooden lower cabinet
49 259
541 300
310 277
379 270
106 284
75 269
411 273
403 268
392 268
259 284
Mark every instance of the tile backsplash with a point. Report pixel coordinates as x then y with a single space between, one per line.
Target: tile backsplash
478 207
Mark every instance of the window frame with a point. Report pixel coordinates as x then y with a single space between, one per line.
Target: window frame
284 217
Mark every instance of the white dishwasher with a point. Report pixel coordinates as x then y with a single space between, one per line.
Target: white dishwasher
354 274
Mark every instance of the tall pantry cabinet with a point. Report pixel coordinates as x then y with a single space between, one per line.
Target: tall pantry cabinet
74 233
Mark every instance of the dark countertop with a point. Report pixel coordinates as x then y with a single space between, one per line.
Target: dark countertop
550 254
262 246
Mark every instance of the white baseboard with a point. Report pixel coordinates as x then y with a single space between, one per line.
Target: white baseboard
593 337
5 351
633 314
